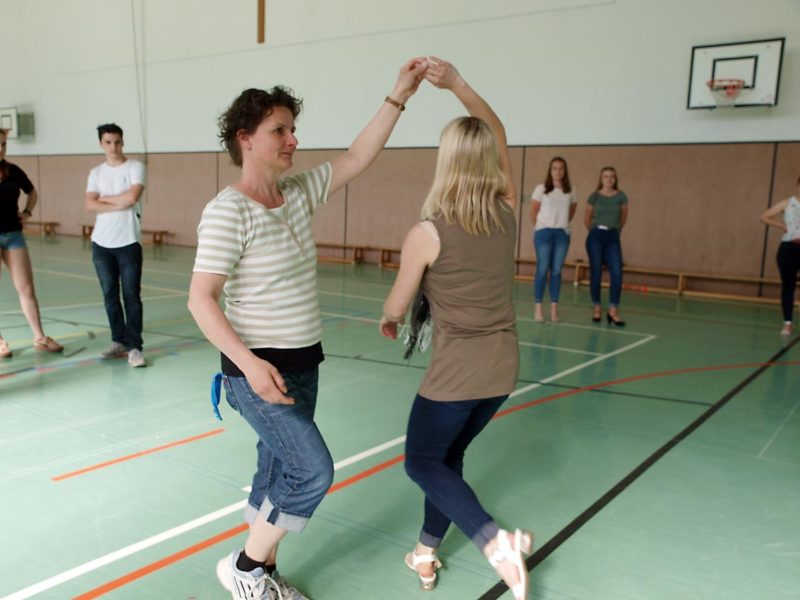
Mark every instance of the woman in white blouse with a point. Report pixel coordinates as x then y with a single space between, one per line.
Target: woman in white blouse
553 206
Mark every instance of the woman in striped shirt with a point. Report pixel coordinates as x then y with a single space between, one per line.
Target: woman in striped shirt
255 244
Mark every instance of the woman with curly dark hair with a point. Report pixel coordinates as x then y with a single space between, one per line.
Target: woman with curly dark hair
255 243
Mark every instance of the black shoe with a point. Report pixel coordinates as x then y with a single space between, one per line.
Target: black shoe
615 320
597 318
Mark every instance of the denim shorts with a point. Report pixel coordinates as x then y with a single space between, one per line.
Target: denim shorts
294 466
12 240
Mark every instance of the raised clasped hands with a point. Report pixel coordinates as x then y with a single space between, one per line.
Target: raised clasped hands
441 73
411 75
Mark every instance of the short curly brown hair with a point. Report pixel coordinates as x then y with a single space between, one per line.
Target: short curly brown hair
248 110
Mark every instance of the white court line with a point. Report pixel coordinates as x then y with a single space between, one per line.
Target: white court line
560 348
57 580
90 278
777 431
88 304
596 328
93 565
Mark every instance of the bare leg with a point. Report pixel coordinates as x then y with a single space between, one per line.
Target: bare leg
538 315
19 266
262 543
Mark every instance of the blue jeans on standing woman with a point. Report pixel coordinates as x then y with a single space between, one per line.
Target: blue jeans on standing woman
295 469
551 249
602 246
438 435
115 265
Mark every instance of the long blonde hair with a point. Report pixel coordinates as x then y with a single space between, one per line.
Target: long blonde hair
468 183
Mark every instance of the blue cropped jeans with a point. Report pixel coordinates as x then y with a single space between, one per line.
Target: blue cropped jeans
294 468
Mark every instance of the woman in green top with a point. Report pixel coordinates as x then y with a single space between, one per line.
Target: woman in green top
605 217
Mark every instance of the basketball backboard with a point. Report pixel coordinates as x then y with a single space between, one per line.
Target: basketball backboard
757 63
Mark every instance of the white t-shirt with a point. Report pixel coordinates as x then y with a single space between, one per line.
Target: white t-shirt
554 209
270 260
791 216
117 228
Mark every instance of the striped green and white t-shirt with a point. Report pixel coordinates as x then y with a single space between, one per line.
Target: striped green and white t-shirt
270 260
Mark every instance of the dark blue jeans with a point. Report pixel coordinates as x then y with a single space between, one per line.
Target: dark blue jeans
115 265
602 246
789 266
295 469
438 435
551 246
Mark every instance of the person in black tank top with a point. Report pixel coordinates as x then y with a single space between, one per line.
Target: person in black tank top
14 251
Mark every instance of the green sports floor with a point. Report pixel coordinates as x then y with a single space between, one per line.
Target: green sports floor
656 462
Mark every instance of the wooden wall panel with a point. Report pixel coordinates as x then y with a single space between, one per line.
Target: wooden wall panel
384 202
178 188
691 206
787 170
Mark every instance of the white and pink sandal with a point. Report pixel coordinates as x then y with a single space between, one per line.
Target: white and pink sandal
514 553
426 583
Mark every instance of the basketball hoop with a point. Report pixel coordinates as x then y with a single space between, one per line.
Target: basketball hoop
725 91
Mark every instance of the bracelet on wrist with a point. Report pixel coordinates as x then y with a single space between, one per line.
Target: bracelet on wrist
395 103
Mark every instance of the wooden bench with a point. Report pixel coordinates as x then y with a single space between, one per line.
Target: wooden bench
43 227
158 235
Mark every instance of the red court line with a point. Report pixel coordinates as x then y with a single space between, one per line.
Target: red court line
207 543
160 564
115 461
147 569
595 386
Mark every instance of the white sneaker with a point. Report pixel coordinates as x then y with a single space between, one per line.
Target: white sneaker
136 358
242 585
115 350
287 591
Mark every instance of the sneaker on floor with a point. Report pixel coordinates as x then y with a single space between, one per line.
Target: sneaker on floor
115 350
288 591
253 585
136 358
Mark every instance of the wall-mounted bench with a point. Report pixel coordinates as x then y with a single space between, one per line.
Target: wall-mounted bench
158 235
42 227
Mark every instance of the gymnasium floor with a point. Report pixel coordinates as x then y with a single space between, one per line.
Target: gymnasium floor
661 461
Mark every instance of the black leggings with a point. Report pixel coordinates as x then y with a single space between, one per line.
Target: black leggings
788 265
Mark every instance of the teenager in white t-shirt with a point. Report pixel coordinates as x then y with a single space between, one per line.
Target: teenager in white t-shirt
113 192
553 206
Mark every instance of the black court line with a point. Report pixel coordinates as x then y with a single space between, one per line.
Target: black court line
528 381
562 536
612 392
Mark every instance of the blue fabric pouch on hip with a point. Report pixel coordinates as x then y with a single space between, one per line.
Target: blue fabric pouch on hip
216 390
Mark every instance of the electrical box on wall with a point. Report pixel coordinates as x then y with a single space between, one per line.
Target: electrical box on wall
15 123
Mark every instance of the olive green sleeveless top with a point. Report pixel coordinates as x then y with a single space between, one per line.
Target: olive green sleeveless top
469 287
